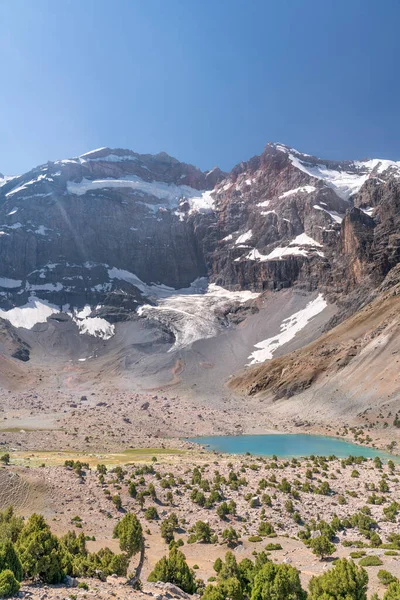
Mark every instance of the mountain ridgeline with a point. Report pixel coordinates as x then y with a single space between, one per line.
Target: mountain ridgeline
113 237
71 230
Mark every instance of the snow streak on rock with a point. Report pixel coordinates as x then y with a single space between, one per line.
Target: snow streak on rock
289 328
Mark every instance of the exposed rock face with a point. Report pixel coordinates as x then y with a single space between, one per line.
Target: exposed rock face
66 224
101 228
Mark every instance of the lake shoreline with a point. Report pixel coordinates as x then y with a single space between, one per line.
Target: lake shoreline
340 446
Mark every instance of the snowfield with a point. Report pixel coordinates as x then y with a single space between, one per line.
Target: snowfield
170 194
288 329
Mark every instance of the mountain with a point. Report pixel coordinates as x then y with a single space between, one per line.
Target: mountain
134 262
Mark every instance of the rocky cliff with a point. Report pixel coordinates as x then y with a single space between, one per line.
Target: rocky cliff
112 229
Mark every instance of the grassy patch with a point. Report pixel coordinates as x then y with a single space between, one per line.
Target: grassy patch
133 455
370 561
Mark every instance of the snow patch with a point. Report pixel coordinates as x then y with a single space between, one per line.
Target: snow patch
245 237
35 311
288 329
26 185
294 248
305 189
334 215
5 282
304 240
41 230
95 326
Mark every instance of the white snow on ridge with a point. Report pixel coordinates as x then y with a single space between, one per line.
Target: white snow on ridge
306 189
288 329
38 310
6 179
202 203
92 152
294 248
368 211
170 194
41 230
108 158
24 186
344 183
245 237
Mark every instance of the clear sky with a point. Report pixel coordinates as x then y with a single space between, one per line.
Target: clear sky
208 81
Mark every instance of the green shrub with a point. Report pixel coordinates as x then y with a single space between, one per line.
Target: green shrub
266 528
151 513
271 546
82 585
393 591
370 561
255 538
385 577
9 586
277 581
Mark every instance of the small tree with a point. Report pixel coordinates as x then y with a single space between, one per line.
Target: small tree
386 577
345 580
274 582
174 569
130 534
132 490
5 458
9 559
203 532
40 551
322 547
231 537
117 501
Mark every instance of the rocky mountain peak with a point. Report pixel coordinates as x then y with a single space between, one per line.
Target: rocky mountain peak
104 228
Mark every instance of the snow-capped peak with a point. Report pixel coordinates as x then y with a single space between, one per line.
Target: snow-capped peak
346 177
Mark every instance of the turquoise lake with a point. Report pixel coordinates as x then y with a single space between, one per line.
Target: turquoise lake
288 445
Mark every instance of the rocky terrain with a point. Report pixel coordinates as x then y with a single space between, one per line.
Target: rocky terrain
274 491
142 274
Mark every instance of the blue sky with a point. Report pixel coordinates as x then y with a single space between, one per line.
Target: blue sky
210 82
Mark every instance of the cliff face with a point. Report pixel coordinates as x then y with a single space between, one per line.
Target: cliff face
103 228
79 231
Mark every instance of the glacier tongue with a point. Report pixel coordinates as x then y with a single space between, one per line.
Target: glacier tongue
193 317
